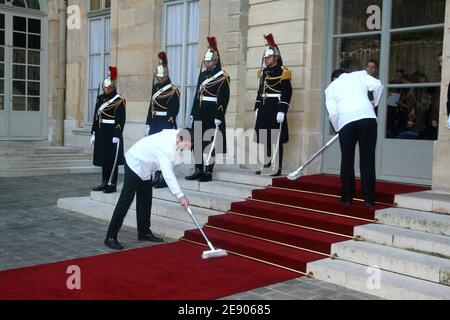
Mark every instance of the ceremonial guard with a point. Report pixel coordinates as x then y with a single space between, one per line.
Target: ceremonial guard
107 129
209 108
272 104
164 107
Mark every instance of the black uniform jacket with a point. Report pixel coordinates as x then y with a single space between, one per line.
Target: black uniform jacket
273 81
108 123
163 109
205 110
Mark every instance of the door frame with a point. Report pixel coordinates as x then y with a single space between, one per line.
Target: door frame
9 11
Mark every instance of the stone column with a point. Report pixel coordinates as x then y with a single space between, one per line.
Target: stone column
441 156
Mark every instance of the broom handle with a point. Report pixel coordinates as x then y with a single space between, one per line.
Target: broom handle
213 146
329 143
200 228
277 147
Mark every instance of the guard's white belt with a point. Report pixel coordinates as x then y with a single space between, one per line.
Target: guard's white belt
161 113
272 95
212 99
108 121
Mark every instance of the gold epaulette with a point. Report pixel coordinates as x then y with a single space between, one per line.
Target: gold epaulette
258 74
287 74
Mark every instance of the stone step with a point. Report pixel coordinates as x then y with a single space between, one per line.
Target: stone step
242 176
163 226
44 157
24 164
27 172
396 260
415 220
431 201
61 156
198 199
405 239
57 149
222 188
20 147
390 286
167 209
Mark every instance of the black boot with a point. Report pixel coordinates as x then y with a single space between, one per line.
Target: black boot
113 244
161 183
100 187
277 174
157 178
110 188
197 174
207 176
259 172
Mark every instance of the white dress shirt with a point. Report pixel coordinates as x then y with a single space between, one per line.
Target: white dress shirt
156 153
347 98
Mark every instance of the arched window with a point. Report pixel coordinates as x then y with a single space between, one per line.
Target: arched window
29 4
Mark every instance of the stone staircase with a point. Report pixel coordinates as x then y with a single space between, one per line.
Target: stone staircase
168 218
26 159
405 256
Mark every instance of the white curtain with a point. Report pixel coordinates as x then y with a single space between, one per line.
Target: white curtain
99 50
175 43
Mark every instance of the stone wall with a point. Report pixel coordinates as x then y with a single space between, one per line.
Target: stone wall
441 157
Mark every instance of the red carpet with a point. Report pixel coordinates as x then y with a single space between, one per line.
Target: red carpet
171 272
287 226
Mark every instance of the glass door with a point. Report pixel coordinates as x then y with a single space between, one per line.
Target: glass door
407 38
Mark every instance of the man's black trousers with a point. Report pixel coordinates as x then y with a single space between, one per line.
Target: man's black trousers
132 184
363 132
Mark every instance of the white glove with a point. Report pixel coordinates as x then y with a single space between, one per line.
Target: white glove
147 133
115 140
448 122
256 114
217 122
280 117
93 139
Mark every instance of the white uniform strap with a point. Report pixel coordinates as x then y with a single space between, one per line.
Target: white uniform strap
107 103
159 92
214 77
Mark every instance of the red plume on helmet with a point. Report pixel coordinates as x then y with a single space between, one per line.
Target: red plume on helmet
163 57
113 72
212 43
270 41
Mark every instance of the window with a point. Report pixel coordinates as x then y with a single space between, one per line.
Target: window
99 51
30 4
26 69
181 37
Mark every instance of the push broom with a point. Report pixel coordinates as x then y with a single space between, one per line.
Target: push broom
213 253
299 172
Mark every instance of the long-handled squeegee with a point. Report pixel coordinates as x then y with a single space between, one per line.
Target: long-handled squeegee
298 173
213 253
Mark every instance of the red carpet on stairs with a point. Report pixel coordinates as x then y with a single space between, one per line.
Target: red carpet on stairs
271 237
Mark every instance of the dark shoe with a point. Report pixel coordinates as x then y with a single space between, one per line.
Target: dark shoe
259 172
197 174
369 204
113 244
150 237
206 177
157 179
110 188
344 203
100 187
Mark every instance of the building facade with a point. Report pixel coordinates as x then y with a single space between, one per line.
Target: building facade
50 81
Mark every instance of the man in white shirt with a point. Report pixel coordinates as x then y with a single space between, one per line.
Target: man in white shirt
150 154
352 115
